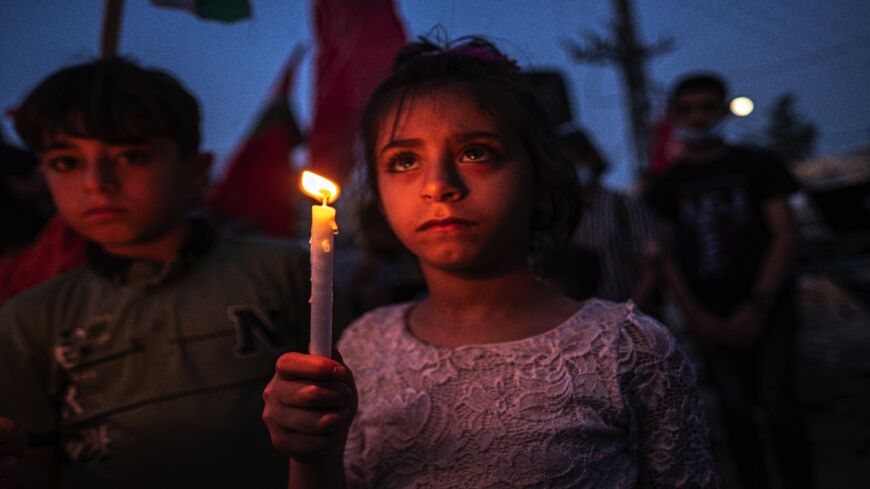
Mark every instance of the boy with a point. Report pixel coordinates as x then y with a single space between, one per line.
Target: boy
730 241
144 368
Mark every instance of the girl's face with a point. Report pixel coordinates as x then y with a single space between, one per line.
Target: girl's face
456 187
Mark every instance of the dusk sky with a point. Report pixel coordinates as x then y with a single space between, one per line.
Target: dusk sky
819 51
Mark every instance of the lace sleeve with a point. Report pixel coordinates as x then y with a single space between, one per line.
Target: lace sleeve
668 432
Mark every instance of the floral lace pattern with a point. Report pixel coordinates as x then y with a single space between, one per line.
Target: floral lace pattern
604 400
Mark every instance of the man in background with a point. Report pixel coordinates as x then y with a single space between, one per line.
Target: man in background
729 242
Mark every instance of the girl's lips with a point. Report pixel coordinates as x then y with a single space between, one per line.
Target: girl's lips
448 224
103 213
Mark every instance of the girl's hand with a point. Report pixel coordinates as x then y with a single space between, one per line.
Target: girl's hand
309 405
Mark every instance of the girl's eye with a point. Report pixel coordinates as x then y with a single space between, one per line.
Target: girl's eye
135 157
62 163
402 162
477 154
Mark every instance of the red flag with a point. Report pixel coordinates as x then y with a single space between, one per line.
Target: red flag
356 43
259 184
666 147
57 249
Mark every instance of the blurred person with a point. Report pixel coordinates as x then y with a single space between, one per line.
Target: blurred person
145 366
25 205
493 379
729 243
618 230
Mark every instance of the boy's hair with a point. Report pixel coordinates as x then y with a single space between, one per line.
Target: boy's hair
476 67
699 81
113 100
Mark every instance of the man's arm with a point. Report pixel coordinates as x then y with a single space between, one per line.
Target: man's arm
780 256
700 321
746 322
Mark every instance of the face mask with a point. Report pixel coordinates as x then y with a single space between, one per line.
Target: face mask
711 134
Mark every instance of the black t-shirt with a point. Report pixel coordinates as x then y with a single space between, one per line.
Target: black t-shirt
717 208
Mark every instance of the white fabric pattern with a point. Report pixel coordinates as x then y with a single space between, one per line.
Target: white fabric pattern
604 400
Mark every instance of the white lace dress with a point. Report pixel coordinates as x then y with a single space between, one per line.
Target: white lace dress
604 400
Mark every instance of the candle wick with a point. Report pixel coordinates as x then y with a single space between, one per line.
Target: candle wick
325 198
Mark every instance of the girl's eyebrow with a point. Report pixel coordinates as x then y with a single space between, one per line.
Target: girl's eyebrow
471 136
402 143
459 138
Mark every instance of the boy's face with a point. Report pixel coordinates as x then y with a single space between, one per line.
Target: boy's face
130 199
698 110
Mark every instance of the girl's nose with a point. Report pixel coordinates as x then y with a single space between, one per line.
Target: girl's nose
443 183
101 177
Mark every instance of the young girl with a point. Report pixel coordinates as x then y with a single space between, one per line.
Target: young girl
493 380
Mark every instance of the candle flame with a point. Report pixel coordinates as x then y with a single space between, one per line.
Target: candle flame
318 187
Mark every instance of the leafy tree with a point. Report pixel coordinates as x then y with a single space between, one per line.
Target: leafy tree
787 133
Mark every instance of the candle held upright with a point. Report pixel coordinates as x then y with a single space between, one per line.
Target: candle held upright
323 231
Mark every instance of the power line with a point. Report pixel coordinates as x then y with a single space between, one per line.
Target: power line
817 13
800 61
742 22
808 59
783 11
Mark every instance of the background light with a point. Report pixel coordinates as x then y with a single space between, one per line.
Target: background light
742 106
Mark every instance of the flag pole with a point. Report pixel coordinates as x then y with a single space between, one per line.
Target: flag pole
111 28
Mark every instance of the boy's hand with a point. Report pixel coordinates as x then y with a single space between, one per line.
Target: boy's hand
704 325
309 405
13 440
743 326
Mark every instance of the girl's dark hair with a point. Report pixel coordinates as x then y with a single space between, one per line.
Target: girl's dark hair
113 100
476 67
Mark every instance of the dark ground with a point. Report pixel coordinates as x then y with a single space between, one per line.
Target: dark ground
833 381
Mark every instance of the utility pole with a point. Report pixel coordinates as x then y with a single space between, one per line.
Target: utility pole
624 50
111 28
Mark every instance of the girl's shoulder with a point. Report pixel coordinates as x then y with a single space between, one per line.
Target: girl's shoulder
615 316
644 347
624 326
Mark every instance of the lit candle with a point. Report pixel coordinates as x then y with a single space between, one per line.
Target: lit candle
323 231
